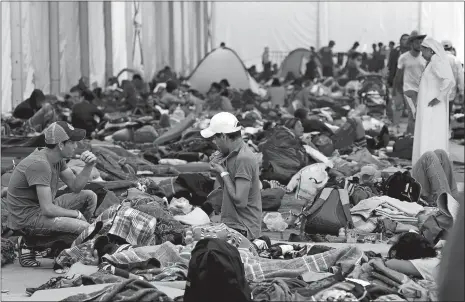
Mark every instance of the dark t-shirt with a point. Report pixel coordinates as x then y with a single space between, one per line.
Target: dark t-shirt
82 116
24 110
22 202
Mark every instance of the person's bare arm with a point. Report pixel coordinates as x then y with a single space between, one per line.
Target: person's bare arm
403 266
77 183
391 269
44 193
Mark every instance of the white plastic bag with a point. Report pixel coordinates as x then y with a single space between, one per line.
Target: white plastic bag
309 181
275 222
178 205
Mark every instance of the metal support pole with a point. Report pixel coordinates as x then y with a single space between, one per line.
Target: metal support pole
130 37
206 27
420 8
318 24
171 37
183 39
199 31
54 15
84 38
108 40
16 54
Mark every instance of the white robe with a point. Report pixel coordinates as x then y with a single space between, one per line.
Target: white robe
432 123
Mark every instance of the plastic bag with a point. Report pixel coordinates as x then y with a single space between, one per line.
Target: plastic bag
275 222
180 205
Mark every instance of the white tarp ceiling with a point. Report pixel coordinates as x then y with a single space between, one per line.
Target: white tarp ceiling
248 27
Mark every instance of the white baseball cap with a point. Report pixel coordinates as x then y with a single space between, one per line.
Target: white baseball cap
223 122
446 44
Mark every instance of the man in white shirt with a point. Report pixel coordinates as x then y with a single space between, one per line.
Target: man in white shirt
456 95
409 70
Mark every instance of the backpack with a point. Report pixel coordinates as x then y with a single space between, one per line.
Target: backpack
283 155
436 227
402 186
324 144
216 273
347 134
328 213
403 147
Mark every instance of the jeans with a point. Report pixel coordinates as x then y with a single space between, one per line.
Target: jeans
44 117
434 172
411 98
84 201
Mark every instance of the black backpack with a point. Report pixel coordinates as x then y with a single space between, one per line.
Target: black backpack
216 273
402 186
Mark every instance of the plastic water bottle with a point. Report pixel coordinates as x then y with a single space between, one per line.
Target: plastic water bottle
179 113
189 237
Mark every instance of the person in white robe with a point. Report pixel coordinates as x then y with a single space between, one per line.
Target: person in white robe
432 116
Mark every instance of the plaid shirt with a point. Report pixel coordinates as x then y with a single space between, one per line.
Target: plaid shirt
135 227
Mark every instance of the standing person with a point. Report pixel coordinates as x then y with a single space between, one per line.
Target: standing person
238 174
326 55
266 59
456 95
432 117
353 49
409 69
380 60
374 56
394 58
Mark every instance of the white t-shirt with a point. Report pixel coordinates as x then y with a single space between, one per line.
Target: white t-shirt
427 267
413 68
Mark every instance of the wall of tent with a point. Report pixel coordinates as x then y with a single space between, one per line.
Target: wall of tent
50 45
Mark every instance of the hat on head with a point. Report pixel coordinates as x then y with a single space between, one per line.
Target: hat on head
223 122
59 132
446 44
415 35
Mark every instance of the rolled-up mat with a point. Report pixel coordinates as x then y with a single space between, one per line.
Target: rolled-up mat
175 133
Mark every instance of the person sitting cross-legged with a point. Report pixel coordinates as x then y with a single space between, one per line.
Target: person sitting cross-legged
33 185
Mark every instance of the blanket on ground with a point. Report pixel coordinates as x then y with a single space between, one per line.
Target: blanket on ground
128 290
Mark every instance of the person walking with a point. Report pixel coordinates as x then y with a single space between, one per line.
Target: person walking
409 69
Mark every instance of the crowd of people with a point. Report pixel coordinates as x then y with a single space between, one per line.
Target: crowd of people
423 74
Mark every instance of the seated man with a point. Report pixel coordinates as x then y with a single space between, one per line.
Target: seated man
169 97
31 201
216 101
238 174
86 115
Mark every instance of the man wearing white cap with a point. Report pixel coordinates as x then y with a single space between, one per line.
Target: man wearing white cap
238 174
31 201
457 69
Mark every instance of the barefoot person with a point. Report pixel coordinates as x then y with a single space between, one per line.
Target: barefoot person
238 174
432 117
31 201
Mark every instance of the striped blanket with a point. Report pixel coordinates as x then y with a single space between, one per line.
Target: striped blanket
258 269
